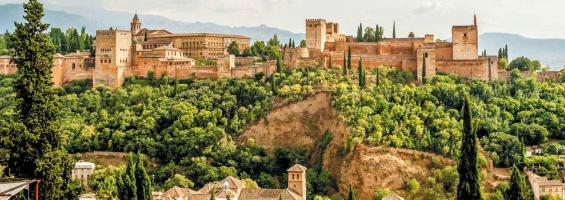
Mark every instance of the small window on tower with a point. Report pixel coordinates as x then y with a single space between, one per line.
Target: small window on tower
465 35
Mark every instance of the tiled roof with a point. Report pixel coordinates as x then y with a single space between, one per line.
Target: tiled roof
297 168
267 194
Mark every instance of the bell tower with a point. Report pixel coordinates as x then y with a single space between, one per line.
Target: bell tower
297 180
135 24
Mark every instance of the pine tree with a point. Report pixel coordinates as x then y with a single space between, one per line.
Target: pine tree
351 195
360 33
37 151
469 184
518 188
394 29
349 59
143 182
344 67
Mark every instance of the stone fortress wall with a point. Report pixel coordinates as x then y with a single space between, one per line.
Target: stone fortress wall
423 56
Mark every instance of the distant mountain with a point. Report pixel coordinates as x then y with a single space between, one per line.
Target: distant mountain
549 51
96 18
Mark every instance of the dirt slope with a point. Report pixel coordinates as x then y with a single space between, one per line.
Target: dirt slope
301 124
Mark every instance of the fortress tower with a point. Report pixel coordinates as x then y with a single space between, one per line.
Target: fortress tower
465 41
297 180
315 34
135 24
113 56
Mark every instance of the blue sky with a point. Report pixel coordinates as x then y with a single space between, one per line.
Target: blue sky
531 18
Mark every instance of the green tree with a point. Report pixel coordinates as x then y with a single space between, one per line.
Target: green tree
274 42
360 33
351 194
394 29
233 48
413 185
469 184
127 185
302 43
279 65
349 59
411 35
361 74
247 52
524 64
344 66
143 182
37 150
518 189
178 180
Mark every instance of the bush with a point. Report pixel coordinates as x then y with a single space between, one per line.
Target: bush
413 185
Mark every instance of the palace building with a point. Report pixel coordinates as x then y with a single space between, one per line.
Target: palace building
424 56
120 54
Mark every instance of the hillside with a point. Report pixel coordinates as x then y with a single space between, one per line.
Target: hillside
94 19
550 51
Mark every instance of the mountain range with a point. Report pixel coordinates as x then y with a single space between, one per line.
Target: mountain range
550 52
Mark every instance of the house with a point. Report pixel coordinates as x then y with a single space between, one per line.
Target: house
542 186
235 189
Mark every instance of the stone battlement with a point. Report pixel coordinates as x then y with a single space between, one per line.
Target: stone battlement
314 21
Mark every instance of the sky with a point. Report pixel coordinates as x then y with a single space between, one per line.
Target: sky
530 18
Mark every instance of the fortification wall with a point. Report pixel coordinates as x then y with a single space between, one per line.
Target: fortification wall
475 69
540 76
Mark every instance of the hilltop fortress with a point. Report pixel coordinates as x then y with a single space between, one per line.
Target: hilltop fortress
137 52
424 56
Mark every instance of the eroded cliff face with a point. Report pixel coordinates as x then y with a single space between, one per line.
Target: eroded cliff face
367 169
298 125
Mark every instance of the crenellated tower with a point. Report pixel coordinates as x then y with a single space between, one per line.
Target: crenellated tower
316 34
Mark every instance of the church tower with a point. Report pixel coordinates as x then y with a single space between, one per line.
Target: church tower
297 180
135 24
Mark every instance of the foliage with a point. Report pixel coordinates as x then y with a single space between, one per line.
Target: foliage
351 194
233 48
34 139
504 149
380 194
469 183
179 181
413 185
205 62
518 188
546 165
524 64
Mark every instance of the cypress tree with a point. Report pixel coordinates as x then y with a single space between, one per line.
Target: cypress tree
349 59
506 52
279 65
378 76
424 68
351 195
377 33
518 188
361 74
344 67
143 182
127 189
469 184
394 29
36 150
330 65
360 33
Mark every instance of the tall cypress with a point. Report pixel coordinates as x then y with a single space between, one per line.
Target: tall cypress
360 33
394 29
344 67
469 183
143 182
351 194
127 185
279 65
378 76
36 150
349 59
518 188
361 74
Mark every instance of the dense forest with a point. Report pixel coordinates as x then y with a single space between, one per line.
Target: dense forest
190 125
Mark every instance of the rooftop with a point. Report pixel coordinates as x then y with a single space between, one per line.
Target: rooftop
202 35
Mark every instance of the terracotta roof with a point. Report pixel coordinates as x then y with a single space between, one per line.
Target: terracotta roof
175 193
297 168
267 194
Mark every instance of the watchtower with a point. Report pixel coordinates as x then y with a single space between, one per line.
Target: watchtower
465 42
316 34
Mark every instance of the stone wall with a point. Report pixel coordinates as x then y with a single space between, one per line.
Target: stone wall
540 76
